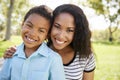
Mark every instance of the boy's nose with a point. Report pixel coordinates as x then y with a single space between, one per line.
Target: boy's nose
33 32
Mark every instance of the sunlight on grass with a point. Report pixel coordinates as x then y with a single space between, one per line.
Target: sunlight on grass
15 40
108 62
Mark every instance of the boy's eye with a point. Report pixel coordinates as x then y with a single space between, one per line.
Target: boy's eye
28 25
41 30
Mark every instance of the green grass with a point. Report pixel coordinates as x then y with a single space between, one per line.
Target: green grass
15 40
108 61
107 58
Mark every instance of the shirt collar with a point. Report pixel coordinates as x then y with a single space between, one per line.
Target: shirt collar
20 51
42 50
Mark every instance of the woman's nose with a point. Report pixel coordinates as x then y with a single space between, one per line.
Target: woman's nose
61 34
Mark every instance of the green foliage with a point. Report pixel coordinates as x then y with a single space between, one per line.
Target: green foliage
100 35
103 35
97 5
110 9
3 13
20 8
117 36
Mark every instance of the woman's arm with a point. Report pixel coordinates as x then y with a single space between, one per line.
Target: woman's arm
9 52
88 75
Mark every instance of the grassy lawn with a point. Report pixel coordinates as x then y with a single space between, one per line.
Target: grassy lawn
15 40
108 61
107 56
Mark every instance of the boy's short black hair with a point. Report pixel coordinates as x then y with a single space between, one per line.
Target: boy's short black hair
41 10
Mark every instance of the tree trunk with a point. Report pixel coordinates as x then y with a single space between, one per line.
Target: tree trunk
8 30
111 32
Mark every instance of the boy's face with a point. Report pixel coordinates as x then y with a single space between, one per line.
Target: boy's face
34 31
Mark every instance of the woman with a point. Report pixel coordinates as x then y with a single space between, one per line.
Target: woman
70 37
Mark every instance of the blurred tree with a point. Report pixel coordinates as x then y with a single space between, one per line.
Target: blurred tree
2 13
110 9
99 35
9 13
103 35
13 11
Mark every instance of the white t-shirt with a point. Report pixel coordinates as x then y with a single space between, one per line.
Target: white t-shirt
74 70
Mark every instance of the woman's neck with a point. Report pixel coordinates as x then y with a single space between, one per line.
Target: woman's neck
62 51
67 54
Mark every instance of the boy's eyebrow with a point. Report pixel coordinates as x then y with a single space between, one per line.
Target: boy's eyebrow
30 22
32 25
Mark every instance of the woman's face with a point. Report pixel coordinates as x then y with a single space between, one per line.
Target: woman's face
62 31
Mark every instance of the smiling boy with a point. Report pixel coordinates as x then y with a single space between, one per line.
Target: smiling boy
33 60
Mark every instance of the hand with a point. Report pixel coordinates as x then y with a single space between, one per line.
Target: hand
9 52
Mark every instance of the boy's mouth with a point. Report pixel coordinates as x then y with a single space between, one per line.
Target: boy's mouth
30 39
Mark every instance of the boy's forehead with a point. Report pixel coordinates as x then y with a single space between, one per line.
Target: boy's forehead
38 20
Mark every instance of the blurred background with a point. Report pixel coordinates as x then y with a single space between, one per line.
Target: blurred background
104 22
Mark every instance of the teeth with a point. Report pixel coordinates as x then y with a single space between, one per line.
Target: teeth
32 40
59 42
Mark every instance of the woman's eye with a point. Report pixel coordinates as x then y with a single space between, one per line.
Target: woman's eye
70 30
57 26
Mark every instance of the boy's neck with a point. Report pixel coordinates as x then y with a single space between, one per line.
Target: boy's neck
29 51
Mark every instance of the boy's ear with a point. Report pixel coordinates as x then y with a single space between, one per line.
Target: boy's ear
22 24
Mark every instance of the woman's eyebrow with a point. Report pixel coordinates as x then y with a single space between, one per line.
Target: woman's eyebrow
57 24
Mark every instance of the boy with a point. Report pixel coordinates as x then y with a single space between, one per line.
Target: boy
33 60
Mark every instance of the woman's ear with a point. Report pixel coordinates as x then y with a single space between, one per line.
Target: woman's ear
47 37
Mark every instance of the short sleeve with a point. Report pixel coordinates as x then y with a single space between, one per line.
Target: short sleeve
90 65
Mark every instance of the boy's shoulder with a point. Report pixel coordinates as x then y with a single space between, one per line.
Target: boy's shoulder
48 51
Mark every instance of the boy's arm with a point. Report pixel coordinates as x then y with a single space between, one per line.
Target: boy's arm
57 70
5 71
